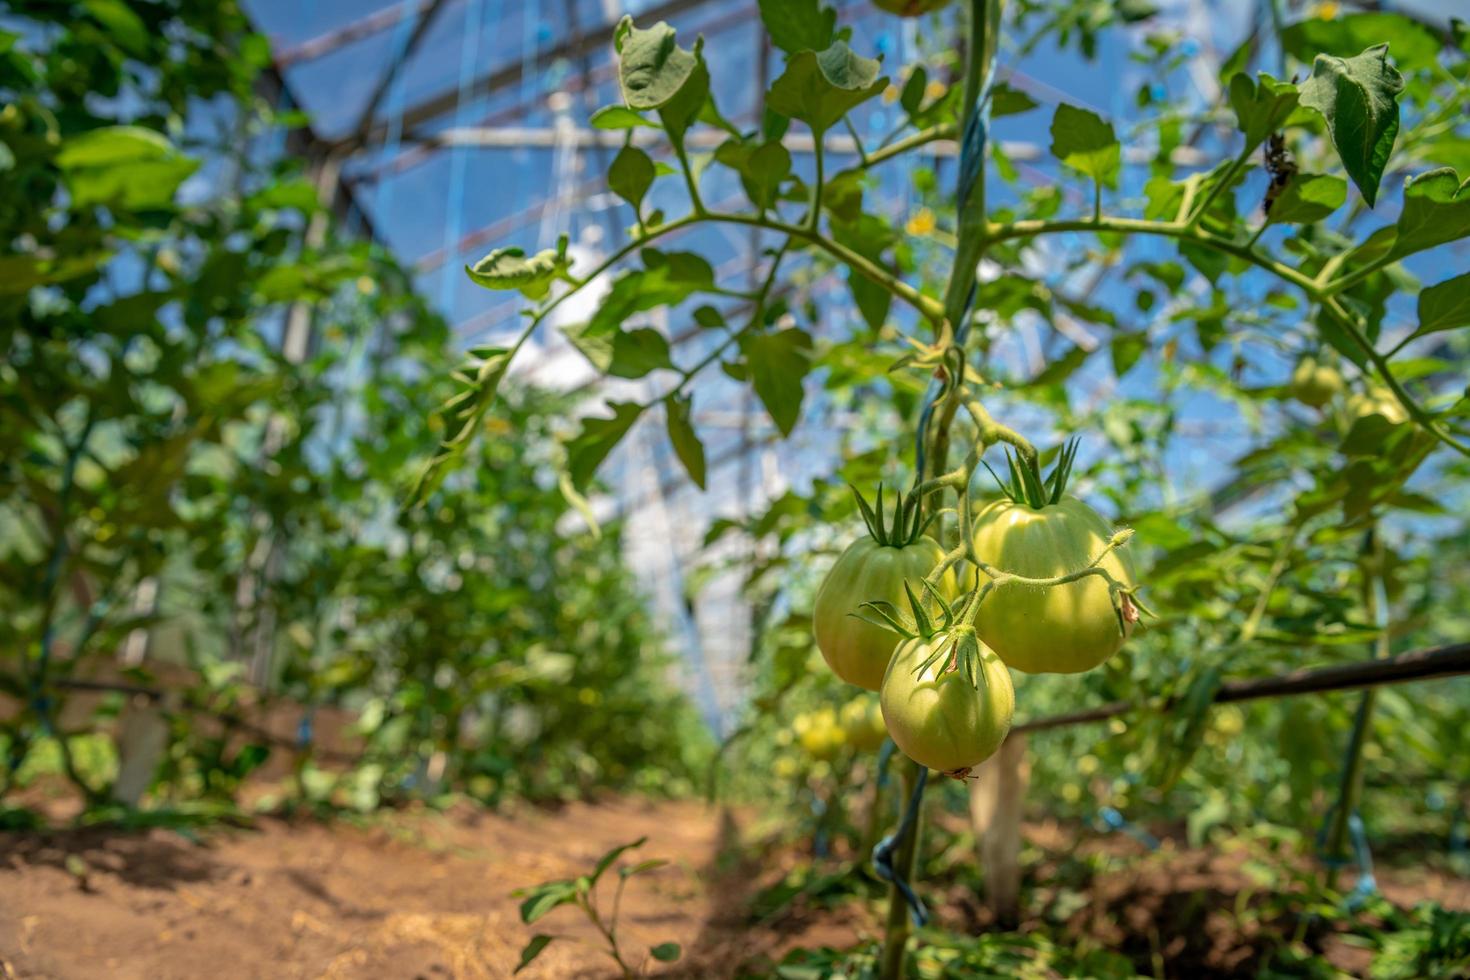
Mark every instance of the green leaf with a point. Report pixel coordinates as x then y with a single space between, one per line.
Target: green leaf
1008 101
666 952
652 68
684 439
1261 107
618 117
1444 306
1084 142
1436 211
478 378
869 236
709 318
579 503
543 898
653 863
591 446
509 268
1358 98
605 862
124 26
1127 349
799 25
912 96
820 87
630 353
778 362
762 168
1061 368
690 103
630 176
1307 198
533 949
123 166
1414 45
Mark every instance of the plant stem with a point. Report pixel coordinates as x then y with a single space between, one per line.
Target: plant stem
813 219
1221 184
905 861
1350 790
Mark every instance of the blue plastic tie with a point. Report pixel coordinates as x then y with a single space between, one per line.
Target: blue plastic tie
883 853
884 754
1114 820
305 729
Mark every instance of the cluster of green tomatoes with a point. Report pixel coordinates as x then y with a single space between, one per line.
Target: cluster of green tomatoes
945 707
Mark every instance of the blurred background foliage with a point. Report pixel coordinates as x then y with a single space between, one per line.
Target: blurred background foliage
174 481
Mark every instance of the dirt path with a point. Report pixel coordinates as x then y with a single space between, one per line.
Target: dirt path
408 895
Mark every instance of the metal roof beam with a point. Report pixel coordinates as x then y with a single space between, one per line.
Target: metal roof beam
447 100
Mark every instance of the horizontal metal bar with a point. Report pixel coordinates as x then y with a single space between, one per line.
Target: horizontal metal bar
1447 661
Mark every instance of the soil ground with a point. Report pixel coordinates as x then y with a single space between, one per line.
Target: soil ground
425 894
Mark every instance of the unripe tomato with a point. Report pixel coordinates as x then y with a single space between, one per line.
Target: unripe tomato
937 718
858 651
1377 400
1062 629
910 8
862 723
819 733
1314 383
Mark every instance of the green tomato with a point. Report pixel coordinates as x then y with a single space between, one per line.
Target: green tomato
1377 400
910 8
857 651
862 723
819 733
937 718
1314 383
1063 629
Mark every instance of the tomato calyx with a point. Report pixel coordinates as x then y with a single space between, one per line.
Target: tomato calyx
1027 486
908 523
952 634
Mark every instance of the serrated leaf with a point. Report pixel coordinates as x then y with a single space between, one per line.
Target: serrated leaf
1261 107
778 363
597 438
798 25
1307 198
533 949
683 437
1444 306
510 268
1358 97
1083 141
820 87
630 175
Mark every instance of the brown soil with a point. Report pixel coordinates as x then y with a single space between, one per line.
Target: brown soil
421 894
407 894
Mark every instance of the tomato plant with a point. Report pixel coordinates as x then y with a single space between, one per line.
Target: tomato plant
1253 219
